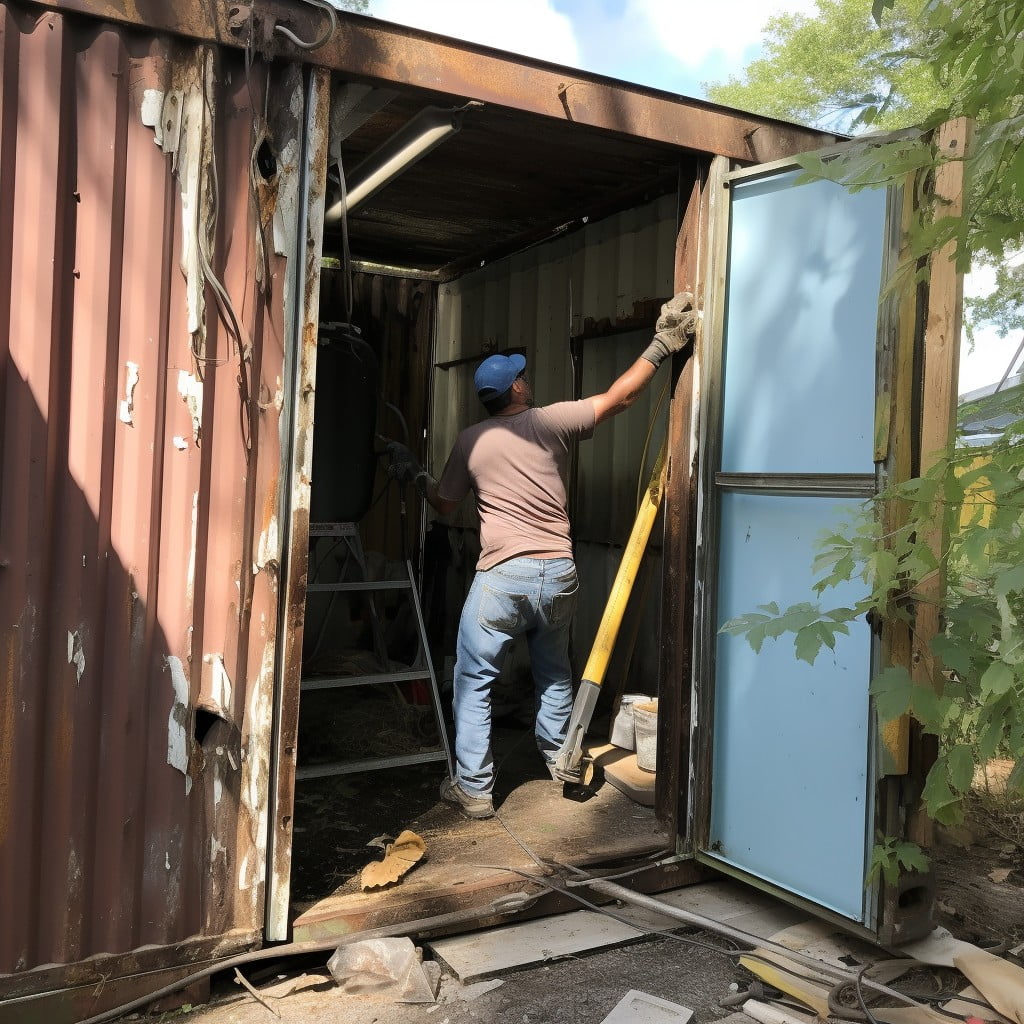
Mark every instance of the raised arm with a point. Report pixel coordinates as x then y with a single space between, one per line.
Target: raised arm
673 332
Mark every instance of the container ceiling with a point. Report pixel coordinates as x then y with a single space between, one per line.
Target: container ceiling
506 180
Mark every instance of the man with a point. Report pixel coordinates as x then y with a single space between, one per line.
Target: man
515 463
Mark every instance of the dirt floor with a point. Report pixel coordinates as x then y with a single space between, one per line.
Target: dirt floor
980 873
572 991
980 870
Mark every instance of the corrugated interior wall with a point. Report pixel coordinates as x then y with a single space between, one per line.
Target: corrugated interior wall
581 308
138 513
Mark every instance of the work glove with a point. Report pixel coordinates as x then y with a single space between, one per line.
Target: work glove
674 330
403 466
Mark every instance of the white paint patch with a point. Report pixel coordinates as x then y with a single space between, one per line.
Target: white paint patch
167 861
131 380
76 654
179 122
191 392
286 210
152 113
180 443
268 549
255 788
177 721
220 683
244 881
216 849
190 580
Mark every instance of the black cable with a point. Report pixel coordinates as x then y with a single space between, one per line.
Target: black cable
869 1016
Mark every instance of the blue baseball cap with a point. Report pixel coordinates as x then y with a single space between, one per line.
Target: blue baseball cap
495 374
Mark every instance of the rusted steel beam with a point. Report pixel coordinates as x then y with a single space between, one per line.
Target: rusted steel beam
370 50
678 583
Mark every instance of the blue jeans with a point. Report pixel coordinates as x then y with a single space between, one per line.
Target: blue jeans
531 597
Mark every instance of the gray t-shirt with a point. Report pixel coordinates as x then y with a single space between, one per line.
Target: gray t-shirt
517 465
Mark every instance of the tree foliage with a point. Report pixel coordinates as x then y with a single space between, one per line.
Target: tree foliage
973 51
829 69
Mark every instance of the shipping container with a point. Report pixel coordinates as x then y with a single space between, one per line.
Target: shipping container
240 245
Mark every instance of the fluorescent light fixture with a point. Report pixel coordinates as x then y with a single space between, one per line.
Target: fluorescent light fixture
427 130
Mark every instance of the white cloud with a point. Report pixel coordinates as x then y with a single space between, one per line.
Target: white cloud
694 32
529 27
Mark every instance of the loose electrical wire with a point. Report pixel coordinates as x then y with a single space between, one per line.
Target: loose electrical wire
332 27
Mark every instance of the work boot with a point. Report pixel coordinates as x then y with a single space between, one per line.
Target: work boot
471 806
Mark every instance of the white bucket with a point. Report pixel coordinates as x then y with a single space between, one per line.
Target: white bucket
622 726
645 722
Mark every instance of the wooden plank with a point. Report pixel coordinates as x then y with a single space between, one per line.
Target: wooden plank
895 448
498 951
469 863
938 421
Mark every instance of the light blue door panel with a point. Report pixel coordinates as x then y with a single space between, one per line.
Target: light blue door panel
789 793
791 786
805 266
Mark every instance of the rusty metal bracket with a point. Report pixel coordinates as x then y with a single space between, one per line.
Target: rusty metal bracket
239 19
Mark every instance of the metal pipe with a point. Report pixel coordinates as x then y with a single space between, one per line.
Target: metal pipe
636 899
425 132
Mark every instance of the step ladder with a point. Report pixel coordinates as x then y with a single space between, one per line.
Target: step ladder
422 672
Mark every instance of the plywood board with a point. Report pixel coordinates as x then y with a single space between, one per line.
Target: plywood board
515 947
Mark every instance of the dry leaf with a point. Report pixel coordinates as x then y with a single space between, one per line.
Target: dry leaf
999 874
400 857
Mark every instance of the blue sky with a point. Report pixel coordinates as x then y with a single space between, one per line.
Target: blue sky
675 45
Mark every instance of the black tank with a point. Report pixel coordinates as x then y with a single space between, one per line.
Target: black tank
345 411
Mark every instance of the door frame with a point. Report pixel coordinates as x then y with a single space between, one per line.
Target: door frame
898 346
302 304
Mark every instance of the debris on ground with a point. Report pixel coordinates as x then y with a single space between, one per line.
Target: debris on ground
637 1007
400 857
391 969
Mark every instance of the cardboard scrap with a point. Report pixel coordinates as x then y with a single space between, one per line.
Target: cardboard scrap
909 1015
1000 982
400 857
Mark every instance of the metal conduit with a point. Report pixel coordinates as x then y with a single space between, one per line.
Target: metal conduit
624 895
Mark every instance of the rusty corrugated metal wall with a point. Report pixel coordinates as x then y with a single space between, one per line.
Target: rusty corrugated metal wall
600 286
138 512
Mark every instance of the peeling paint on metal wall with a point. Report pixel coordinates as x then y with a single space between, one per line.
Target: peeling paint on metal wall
139 456
305 316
